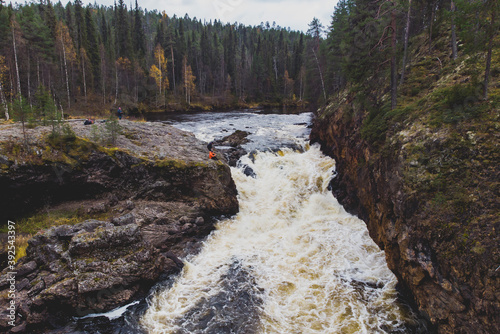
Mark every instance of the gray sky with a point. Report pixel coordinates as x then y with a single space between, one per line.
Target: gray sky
295 14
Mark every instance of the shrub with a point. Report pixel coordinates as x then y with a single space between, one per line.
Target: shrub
113 129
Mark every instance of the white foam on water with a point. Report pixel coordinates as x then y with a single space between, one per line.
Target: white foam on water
113 314
315 264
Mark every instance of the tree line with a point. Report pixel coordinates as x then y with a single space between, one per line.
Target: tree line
76 55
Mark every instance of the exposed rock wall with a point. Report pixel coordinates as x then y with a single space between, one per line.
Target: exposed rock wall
454 283
158 191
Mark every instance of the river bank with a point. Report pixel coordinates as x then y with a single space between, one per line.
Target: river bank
155 191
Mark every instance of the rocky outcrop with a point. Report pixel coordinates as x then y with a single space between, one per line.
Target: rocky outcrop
76 270
160 196
231 146
151 161
438 231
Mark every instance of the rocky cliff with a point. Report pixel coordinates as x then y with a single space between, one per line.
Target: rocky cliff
155 192
429 195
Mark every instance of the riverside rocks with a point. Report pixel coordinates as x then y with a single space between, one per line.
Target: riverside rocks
159 194
232 146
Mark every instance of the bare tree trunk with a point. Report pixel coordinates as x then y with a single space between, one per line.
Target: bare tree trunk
488 57
300 89
161 74
302 86
405 53
394 85
38 72
320 74
433 14
103 71
116 81
275 67
103 88
17 66
29 82
65 71
136 86
84 75
4 102
454 48
173 66
185 80
11 88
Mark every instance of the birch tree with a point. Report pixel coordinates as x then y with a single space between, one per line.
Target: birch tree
15 28
454 49
159 73
65 47
189 78
3 100
405 52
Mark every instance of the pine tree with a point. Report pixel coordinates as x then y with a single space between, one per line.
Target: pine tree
315 31
22 113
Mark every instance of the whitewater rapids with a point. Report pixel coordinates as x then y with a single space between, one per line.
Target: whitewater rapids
291 261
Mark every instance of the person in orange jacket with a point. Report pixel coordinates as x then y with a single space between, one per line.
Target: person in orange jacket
212 155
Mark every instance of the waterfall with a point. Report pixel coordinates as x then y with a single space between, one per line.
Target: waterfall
291 261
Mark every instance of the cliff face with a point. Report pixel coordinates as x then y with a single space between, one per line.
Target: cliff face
430 200
157 194
151 161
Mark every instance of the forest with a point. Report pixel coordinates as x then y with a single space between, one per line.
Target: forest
77 58
90 58
371 44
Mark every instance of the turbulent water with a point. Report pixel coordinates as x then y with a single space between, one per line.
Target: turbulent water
267 130
291 261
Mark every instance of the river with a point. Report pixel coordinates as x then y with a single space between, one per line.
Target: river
291 261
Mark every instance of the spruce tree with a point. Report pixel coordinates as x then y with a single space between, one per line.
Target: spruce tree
139 39
93 47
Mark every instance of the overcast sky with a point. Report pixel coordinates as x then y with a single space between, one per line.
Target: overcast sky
295 14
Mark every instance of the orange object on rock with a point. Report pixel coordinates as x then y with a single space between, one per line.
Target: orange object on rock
211 154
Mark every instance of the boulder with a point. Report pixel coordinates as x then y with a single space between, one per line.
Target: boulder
72 271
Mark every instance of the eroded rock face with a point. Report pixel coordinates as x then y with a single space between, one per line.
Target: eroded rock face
159 192
91 267
432 249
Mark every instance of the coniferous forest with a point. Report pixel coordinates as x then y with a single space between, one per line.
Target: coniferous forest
85 56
